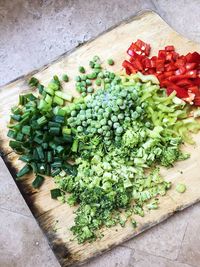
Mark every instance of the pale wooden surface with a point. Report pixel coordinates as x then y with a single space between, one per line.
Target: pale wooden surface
150 28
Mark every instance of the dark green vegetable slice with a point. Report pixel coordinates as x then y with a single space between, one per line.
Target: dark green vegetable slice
33 82
26 169
38 181
55 193
65 78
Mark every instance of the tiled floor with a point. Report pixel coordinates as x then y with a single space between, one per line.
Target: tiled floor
33 33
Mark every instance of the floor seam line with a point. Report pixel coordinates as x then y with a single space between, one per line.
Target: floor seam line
15 212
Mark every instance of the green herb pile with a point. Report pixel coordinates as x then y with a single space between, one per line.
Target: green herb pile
105 147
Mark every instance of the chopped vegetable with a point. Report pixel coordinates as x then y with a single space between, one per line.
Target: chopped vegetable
33 82
26 169
65 78
38 181
175 72
181 188
55 193
103 150
81 69
110 61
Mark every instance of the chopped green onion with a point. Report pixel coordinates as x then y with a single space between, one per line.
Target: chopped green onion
55 193
42 120
26 129
12 134
38 181
64 96
26 158
33 82
16 117
26 169
58 100
66 130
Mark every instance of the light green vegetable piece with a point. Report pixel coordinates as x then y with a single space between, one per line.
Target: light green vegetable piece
180 188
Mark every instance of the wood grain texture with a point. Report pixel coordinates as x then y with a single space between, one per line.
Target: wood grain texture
54 218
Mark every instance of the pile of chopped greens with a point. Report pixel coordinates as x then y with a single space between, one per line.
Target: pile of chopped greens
104 149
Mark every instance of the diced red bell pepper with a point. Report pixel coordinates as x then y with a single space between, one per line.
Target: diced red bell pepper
167 74
143 46
193 57
147 63
137 65
180 62
160 65
180 92
170 66
136 56
169 48
192 73
197 101
153 61
150 71
162 54
175 72
160 76
184 83
194 89
180 71
129 67
190 66
169 56
175 56
133 50
196 81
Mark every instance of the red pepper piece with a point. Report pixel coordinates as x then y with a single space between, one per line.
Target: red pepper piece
161 77
169 56
168 73
187 75
190 66
170 66
184 82
162 54
196 81
180 92
160 65
146 63
143 46
150 71
176 78
193 57
195 90
197 101
128 67
192 73
133 50
153 61
169 48
175 56
180 62
180 71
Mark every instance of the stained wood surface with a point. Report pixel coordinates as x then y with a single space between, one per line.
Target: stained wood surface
54 218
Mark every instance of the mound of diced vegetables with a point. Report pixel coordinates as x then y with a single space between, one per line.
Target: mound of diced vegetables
104 148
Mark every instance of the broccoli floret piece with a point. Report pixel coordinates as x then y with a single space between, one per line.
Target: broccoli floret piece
172 154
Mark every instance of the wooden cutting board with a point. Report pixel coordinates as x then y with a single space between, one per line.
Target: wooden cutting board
54 218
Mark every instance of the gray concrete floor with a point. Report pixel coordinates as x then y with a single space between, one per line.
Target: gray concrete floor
33 33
